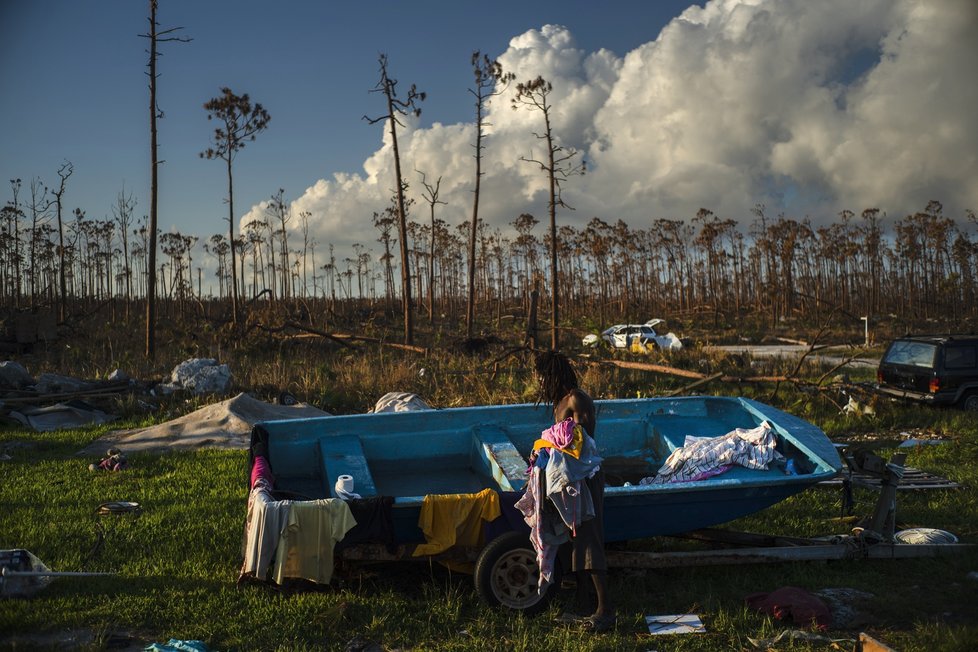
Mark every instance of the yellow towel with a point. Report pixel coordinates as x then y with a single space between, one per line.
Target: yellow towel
455 520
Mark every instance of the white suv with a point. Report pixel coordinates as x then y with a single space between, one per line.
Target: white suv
635 336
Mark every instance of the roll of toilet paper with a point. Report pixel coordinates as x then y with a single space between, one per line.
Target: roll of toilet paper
344 484
344 487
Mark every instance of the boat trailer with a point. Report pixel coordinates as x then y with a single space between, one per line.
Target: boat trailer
875 540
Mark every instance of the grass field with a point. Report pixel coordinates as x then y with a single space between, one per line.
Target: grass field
176 563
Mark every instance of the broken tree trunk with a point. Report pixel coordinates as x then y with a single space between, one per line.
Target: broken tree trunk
344 339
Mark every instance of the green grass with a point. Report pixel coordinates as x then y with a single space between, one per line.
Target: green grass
176 564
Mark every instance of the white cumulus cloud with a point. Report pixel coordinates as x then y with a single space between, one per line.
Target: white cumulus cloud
806 107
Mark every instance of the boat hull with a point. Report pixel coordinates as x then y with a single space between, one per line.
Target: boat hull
412 454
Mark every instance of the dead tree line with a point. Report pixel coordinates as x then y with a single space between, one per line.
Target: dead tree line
918 267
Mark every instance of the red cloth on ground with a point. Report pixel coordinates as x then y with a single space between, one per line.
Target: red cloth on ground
261 469
791 603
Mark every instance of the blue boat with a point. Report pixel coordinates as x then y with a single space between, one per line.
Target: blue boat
408 455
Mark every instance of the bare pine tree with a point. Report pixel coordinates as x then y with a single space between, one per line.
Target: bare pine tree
240 122
122 213
559 165
155 37
64 172
489 76
397 107
430 195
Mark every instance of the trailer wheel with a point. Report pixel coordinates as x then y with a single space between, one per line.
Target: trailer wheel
506 575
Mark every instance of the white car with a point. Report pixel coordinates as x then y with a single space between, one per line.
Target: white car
635 336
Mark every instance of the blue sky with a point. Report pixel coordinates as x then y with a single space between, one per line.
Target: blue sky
806 107
76 88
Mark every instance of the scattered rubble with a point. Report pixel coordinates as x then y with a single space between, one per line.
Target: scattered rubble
14 376
198 375
60 416
48 383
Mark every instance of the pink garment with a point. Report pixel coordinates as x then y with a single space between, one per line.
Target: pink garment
113 463
261 469
560 434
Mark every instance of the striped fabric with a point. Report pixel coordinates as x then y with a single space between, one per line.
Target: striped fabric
703 457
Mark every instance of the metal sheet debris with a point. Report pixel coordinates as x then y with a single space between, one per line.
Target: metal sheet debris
675 624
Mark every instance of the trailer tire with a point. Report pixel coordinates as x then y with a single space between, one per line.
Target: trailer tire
506 575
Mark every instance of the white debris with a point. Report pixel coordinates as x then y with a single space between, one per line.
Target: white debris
400 402
201 376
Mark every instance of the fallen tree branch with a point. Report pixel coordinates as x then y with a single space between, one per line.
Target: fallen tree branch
363 338
694 384
834 369
656 368
315 331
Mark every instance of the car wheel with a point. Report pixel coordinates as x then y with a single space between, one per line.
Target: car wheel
970 402
506 575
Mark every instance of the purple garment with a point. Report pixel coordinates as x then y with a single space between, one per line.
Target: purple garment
560 434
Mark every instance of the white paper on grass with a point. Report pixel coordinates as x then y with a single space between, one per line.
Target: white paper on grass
675 624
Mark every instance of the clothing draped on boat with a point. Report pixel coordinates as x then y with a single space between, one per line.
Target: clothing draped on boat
455 519
263 527
375 523
305 549
702 457
290 539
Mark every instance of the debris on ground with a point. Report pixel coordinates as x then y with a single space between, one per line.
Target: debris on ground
400 402
793 635
794 604
925 536
14 376
114 460
54 401
226 424
869 644
22 574
847 606
675 624
21 586
60 416
199 376
178 645
48 383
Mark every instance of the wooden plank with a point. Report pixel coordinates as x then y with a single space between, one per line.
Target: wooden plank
847 550
869 644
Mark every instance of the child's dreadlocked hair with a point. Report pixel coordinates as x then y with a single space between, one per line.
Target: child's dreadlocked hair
556 374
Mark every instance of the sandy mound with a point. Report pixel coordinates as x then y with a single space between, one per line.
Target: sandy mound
222 425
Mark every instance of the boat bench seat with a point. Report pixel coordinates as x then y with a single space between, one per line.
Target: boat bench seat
493 449
343 455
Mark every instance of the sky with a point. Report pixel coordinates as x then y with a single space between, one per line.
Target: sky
805 107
